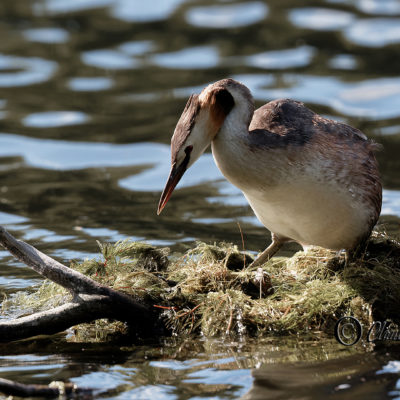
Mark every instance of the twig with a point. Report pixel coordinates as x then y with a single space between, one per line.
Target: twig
190 311
165 307
286 312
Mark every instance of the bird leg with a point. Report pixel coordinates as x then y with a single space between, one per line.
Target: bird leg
269 251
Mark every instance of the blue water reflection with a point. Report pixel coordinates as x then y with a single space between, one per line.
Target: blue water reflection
135 48
108 234
383 7
343 61
108 59
92 84
228 15
109 379
320 19
23 71
6 219
62 6
240 381
153 179
282 59
46 35
391 202
373 99
53 119
144 11
374 32
191 58
64 155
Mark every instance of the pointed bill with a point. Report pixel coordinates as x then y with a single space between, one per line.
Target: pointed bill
174 177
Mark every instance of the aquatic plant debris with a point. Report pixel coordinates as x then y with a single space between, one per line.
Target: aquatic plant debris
203 292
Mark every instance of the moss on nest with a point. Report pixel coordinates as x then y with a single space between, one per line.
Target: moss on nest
202 291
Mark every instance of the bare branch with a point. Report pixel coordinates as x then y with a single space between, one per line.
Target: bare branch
48 267
91 299
87 309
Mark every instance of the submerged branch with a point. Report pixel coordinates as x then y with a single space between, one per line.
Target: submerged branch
12 388
91 300
87 309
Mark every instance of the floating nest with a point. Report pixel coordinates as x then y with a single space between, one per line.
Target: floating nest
211 291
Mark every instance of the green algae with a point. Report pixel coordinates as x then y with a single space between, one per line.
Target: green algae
203 292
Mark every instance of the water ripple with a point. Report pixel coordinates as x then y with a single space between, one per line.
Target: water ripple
34 70
372 99
6 219
46 35
108 59
92 84
190 58
136 48
65 155
383 7
153 179
282 59
227 16
145 11
53 119
343 61
374 32
391 202
320 19
62 6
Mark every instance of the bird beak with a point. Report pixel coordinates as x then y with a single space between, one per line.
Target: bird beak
174 177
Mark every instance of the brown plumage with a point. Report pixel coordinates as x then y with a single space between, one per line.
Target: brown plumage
308 179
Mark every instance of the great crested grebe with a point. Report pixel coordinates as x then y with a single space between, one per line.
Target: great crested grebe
308 179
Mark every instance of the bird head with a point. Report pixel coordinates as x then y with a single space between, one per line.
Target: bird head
198 125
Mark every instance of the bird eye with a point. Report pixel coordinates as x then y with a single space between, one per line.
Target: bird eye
188 149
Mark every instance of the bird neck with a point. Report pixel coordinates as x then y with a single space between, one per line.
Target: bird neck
229 152
238 120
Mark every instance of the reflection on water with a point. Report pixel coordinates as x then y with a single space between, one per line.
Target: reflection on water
343 61
108 59
24 71
140 11
282 59
91 92
350 99
389 7
228 15
320 19
364 32
193 58
93 84
46 35
52 119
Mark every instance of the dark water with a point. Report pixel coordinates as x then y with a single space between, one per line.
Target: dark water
90 91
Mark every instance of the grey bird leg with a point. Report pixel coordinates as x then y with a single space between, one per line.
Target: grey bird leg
269 251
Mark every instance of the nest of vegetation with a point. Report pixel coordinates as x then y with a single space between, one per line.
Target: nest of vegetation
208 290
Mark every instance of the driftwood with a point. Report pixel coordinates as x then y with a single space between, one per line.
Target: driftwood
55 389
90 300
